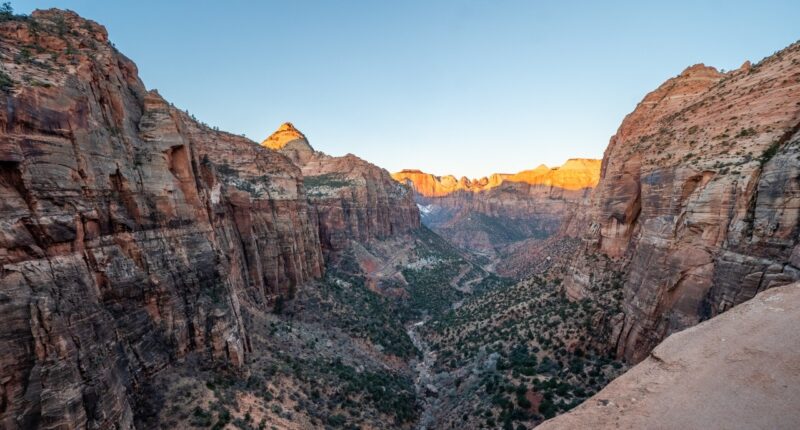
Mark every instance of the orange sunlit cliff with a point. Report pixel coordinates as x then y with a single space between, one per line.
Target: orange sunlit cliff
575 174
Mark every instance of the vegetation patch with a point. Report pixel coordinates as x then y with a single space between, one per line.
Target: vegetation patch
330 180
770 152
7 13
6 83
430 289
536 353
346 303
391 394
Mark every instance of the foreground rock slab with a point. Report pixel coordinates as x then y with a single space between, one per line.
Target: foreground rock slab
740 370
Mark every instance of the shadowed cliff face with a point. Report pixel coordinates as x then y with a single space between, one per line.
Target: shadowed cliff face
697 202
130 235
496 214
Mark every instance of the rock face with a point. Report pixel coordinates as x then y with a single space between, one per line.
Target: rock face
698 199
575 174
489 214
351 198
738 370
130 234
291 143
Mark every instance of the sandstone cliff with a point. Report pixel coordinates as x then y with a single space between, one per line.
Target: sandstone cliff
574 174
489 215
351 198
130 235
735 371
697 202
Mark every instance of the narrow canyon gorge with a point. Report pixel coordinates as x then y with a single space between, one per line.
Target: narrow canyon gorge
160 273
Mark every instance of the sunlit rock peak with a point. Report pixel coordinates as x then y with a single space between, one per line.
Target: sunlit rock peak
576 173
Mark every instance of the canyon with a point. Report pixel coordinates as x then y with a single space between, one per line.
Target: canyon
135 236
158 272
351 198
504 216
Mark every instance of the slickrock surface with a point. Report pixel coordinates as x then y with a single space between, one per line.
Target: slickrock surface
698 199
130 235
351 198
489 214
739 370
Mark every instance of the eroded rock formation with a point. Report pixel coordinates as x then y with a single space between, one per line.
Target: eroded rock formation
132 235
697 202
351 198
488 215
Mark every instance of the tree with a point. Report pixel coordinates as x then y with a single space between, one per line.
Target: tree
279 305
6 11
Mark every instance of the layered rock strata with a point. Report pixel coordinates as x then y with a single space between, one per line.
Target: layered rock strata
487 215
130 234
697 202
574 174
352 199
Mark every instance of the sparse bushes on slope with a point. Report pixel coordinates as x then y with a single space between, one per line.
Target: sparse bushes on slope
542 343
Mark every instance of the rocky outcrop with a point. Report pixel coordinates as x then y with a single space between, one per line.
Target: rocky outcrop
351 198
738 370
488 215
130 234
290 142
697 202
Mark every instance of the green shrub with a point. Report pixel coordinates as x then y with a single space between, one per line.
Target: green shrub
6 12
6 84
337 420
769 153
331 180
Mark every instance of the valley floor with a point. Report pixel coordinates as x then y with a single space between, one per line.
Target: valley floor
407 334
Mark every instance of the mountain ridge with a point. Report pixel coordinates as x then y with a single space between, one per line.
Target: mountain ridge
574 174
493 216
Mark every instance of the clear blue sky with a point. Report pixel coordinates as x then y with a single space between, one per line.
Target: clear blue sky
466 87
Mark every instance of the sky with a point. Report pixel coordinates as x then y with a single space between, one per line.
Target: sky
465 87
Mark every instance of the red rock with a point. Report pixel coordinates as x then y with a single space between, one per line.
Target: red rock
575 174
131 235
696 203
352 199
492 215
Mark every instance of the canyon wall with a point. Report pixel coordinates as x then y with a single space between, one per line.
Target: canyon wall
132 236
351 198
489 214
697 205
574 174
